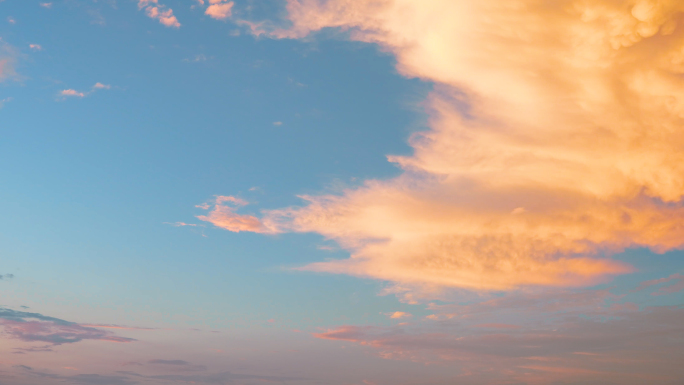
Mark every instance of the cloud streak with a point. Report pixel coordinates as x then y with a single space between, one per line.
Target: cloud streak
569 336
35 327
222 214
553 140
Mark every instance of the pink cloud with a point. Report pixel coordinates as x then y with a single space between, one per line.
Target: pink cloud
223 215
71 92
219 9
154 10
560 336
36 47
74 93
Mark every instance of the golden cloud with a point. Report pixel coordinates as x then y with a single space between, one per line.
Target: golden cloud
555 138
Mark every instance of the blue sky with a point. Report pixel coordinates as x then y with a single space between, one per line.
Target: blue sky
510 205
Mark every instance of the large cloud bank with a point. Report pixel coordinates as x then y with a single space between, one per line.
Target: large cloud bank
555 139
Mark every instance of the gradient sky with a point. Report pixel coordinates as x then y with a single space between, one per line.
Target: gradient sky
343 192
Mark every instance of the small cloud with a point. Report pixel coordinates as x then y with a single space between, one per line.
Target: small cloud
46 5
11 20
219 9
181 224
223 215
178 365
277 123
6 276
71 92
5 100
399 315
154 10
36 47
196 59
74 93
497 326
518 211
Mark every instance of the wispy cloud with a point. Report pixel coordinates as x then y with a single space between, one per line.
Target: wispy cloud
46 5
222 214
675 287
35 327
564 336
159 12
80 94
36 47
552 142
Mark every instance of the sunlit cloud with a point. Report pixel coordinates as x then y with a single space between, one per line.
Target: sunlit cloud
219 9
71 92
399 315
80 94
160 12
46 5
222 214
36 47
553 140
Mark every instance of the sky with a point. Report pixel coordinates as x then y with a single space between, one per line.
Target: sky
341 192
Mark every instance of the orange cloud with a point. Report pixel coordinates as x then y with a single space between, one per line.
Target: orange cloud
219 9
154 10
554 138
222 214
399 315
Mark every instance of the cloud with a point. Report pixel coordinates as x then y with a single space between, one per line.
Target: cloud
223 215
572 337
216 378
46 5
553 142
182 224
154 10
399 315
85 379
11 20
35 327
8 57
676 287
71 92
178 365
36 47
80 94
6 276
219 9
